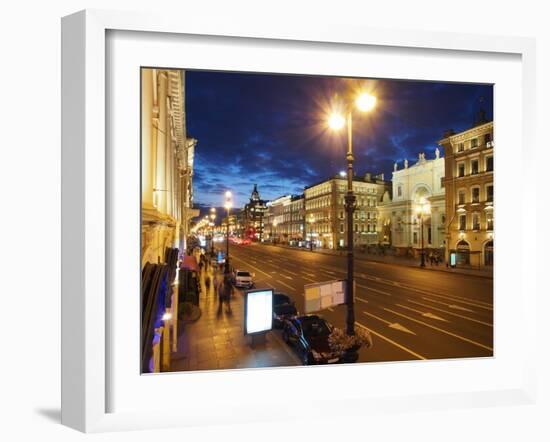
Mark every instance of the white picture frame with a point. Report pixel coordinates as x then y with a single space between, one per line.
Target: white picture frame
85 214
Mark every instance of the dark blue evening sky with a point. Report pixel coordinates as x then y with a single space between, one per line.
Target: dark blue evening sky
271 129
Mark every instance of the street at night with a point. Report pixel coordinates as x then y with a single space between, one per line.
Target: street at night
412 313
314 220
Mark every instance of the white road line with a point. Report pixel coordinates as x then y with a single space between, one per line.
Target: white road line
446 304
416 355
450 313
425 314
309 274
454 298
394 325
309 279
287 277
292 273
330 309
255 268
373 289
439 329
361 299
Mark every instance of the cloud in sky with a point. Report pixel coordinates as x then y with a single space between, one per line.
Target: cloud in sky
271 130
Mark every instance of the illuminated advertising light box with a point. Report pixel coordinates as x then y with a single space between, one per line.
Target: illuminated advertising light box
258 311
453 259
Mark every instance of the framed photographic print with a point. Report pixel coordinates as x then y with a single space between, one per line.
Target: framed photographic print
256 210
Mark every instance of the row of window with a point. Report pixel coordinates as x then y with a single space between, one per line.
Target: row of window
475 221
475 194
474 143
474 167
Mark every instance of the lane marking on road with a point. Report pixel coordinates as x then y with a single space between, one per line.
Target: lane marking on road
309 279
449 313
361 299
292 273
309 274
440 329
373 289
287 277
416 355
394 325
425 314
454 298
254 267
330 309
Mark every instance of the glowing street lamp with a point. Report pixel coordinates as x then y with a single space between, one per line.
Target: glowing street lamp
423 208
365 103
212 217
228 204
311 220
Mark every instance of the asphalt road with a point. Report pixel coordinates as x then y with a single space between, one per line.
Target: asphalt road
412 313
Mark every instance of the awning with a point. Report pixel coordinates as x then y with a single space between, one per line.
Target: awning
190 263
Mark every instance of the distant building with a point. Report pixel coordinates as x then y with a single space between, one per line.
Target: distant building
469 194
253 216
284 220
325 212
399 223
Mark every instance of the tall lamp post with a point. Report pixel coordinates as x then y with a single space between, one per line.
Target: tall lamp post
228 204
311 221
365 103
212 218
423 208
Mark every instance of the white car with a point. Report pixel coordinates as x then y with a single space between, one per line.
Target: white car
242 278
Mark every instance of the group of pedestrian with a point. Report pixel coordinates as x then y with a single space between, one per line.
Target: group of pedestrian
224 290
434 258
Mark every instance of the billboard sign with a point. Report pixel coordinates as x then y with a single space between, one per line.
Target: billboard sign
322 295
258 311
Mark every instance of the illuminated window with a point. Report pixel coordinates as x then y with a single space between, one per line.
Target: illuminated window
490 193
461 197
475 167
473 143
475 221
460 147
489 164
462 222
475 195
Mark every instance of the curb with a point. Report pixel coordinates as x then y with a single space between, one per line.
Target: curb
378 261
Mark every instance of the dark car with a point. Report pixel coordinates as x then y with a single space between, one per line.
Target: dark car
309 336
283 309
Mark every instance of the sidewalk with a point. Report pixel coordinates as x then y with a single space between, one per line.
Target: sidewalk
216 340
398 261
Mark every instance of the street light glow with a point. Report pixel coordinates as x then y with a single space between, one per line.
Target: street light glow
343 173
336 121
365 102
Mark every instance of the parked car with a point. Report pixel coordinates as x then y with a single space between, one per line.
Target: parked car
242 278
283 309
309 336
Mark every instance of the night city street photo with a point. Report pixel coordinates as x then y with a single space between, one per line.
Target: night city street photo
297 220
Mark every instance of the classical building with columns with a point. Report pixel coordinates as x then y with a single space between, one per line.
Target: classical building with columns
166 209
399 222
469 193
166 165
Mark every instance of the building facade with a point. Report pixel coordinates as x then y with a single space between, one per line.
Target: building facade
253 216
325 212
167 165
399 221
167 156
469 194
284 220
